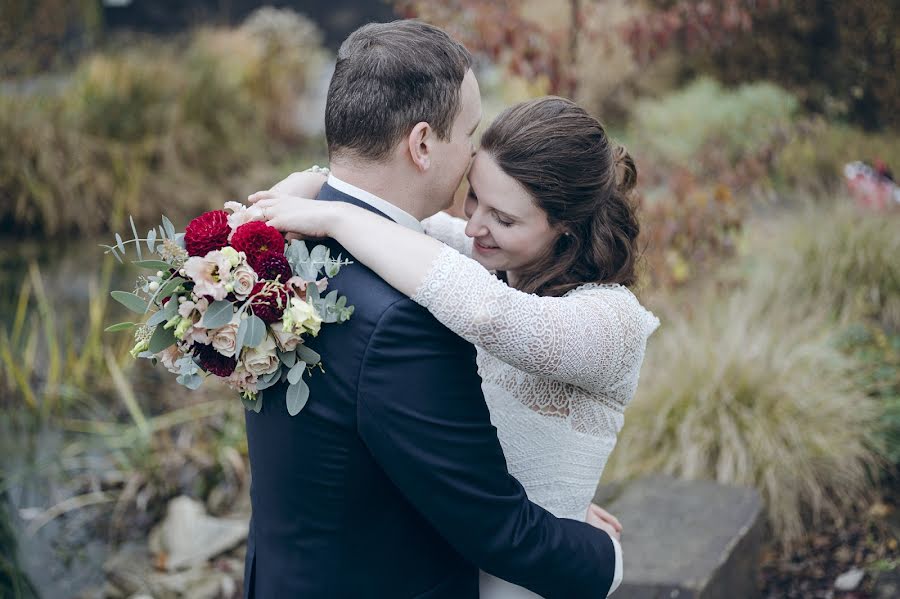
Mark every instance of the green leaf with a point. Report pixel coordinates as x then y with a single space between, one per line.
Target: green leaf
253 405
120 245
331 298
153 265
130 301
169 227
151 240
161 316
296 372
169 287
121 326
218 314
287 358
268 380
255 333
307 355
297 396
137 243
161 339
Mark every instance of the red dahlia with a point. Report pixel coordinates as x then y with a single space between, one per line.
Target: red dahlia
255 239
212 361
271 266
269 305
206 233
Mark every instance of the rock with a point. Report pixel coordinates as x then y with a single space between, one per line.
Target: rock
849 580
686 539
189 536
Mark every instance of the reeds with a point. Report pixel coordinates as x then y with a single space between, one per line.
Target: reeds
748 384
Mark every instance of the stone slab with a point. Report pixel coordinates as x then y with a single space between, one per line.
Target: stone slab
687 539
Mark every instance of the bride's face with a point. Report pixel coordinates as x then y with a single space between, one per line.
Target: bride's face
509 230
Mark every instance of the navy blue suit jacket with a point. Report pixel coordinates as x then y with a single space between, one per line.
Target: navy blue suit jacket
391 481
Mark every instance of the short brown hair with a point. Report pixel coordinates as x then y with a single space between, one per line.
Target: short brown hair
563 158
388 77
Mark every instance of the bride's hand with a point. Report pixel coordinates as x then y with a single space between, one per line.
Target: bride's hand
600 518
290 214
305 184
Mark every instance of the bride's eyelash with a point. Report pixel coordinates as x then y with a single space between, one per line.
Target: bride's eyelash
501 221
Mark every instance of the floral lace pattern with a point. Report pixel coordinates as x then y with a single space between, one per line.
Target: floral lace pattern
558 372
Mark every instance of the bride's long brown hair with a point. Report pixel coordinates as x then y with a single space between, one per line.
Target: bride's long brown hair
582 180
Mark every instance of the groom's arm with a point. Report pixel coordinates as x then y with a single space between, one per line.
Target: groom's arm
422 415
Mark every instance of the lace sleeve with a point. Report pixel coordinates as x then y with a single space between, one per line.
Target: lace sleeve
450 230
588 338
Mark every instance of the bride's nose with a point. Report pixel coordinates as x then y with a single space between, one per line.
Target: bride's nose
474 228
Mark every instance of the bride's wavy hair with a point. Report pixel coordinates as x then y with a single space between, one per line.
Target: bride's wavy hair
582 180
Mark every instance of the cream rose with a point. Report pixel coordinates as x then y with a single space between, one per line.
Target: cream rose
224 339
242 281
262 359
287 340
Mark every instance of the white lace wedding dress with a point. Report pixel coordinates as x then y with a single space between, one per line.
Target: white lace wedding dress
557 372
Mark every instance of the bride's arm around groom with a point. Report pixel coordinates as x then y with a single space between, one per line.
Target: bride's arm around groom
422 415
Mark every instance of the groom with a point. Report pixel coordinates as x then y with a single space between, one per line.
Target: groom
391 482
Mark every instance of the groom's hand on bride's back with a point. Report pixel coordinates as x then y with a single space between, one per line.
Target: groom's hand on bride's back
600 518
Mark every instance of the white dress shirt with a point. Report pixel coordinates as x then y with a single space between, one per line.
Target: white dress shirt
397 214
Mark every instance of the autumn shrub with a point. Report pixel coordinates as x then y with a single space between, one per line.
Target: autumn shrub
706 128
839 58
133 130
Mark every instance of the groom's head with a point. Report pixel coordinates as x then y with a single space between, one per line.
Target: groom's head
403 96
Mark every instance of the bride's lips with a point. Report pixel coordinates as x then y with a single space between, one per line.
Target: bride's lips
484 249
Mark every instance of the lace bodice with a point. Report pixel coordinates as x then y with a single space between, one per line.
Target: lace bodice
558 372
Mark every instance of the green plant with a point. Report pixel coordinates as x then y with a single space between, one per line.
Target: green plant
706 128
746 388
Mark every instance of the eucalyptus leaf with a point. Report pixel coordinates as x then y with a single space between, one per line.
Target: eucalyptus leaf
331 298
268 380
120 244
191 381
159 317
254 405
169 287
151 240
130 301
153 265
162 233
169 227
296 372
307 355
297 396
319 255
312 293
121 326
287 358
179 239
161 339
218 314
256 331
137 243
342 301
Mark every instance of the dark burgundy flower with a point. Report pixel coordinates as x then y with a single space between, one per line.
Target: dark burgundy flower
212 361
269 305
255 239
272 266
206 233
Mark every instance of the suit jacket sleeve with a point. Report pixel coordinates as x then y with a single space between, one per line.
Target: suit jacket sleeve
422 415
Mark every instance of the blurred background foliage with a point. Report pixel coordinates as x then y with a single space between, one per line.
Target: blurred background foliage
776 277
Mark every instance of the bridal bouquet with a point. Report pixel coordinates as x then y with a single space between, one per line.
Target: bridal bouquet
229 298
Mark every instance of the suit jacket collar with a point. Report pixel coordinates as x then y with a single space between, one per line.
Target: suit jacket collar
381 206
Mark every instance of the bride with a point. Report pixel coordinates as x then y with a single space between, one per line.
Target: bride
537 279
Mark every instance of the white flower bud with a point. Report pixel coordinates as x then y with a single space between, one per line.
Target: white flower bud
153 286
159 273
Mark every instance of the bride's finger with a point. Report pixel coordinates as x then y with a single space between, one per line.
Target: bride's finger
261 195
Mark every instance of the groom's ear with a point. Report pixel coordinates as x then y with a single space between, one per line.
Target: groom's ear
420 139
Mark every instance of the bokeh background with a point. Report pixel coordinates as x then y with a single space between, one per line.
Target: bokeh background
764 133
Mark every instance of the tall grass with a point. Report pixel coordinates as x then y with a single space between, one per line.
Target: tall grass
749 386
46 358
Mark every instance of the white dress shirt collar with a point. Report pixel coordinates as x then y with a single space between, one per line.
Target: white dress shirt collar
397 214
